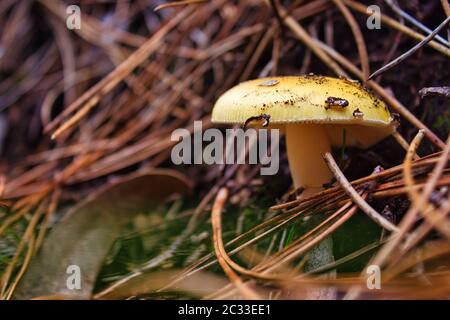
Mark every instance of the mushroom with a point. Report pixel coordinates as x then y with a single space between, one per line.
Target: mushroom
313 111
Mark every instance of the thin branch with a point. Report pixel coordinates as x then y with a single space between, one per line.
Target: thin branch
400 27
410 52
408 220
414 21
357 199
435 91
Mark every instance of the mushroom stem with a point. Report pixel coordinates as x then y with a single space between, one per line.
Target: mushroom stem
306 144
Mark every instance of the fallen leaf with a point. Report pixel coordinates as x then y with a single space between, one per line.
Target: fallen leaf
87 232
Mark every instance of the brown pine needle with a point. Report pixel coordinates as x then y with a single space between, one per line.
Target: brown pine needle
407 169
360 43
446 7
392 246
274 5
427 210
88 100
304 37
243 288
403 143
176 4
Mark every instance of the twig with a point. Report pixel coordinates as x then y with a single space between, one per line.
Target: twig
412 20
388 173
357 199
435 91
408 220
410 52
396 25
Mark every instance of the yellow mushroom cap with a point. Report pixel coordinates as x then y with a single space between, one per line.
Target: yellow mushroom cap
335 103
